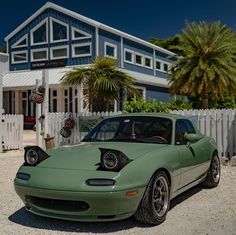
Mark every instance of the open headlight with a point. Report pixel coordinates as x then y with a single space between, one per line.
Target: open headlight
34 155
113 160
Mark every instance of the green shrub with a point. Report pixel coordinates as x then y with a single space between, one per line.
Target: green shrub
140 106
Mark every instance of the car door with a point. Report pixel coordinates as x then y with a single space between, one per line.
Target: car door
188 153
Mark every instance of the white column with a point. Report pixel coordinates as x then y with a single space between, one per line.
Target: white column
38 124
1 106
122 52
45 81
17 102
60 99
97 42
80 98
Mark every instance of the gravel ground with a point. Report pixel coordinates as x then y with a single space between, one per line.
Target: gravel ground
197 211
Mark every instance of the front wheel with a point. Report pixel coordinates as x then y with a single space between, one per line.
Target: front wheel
156 200
213 176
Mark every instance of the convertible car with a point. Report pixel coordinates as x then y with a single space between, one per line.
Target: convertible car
127 165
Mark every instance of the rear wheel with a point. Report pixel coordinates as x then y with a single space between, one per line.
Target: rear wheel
156 200
213 176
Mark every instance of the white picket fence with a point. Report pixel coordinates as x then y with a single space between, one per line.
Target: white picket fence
219 124
56 122
12 132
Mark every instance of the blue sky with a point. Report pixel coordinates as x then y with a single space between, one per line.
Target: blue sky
142 18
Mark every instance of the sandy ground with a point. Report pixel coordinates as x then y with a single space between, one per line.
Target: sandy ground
197 211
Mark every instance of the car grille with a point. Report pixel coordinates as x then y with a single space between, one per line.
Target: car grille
54 204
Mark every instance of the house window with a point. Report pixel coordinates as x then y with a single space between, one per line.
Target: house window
79 34
19 57
165 67
59 52
39 54
81 50
141 91
39 33
129 56
22 42
148 62
110 50
138 59
158 65
59 31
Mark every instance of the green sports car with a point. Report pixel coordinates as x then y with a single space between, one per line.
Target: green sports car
127 165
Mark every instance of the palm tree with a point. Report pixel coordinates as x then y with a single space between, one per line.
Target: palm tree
208 65
103 82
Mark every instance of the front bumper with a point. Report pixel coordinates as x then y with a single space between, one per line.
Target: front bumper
103 206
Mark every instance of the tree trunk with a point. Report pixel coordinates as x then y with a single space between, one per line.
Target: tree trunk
205 97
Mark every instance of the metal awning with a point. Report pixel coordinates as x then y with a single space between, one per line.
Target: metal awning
16 80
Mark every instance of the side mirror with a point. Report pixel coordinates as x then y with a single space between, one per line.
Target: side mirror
193 137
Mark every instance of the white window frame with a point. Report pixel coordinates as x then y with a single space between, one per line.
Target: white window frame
51 30
19 40
110 45
129 51
139 54
168 67
161 62
19 62
61 57
34 29
81 45
143 89
151 62
73 30
37 50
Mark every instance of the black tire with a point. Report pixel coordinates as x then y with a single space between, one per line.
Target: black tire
213 175
147 211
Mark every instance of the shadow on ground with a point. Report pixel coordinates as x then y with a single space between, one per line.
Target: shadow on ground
27 219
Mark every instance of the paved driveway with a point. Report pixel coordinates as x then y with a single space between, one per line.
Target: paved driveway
198 211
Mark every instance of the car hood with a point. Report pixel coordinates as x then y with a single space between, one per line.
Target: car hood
86 155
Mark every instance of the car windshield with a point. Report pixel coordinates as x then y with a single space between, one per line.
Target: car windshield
156 130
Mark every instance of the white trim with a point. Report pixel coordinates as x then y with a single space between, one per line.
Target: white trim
122 52
110 45
97 42
35 28
81 45
143 90
88 21
154 63
18 52
59 47
51 30
20 40
132 56
151 62
138 54
73 30
38 50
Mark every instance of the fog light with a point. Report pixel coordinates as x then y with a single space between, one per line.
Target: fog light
100 182
22 176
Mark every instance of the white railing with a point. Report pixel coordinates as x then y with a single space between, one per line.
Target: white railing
56 122
220 124
12 131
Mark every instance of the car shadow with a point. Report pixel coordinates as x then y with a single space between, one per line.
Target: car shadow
25 218
184 196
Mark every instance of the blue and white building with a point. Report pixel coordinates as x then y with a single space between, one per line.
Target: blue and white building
57 39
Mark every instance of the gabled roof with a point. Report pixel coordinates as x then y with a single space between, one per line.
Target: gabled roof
88 21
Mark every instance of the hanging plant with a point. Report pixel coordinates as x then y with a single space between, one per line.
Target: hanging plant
65 132
69 123
37 98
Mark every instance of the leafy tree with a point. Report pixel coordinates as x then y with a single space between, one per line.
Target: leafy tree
3 48
102 81
167 43
208 64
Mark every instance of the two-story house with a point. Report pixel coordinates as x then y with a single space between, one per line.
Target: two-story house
58 39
